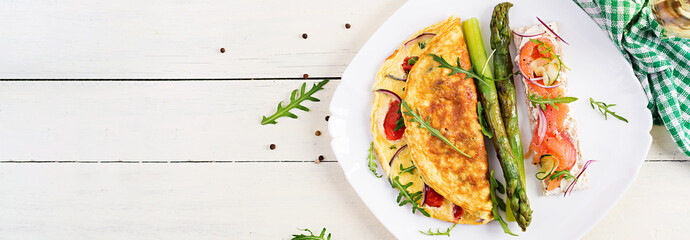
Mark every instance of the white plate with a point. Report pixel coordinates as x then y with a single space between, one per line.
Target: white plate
598 71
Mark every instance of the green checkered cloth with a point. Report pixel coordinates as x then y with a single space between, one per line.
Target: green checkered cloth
661 63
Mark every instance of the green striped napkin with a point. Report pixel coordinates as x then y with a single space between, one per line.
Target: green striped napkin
661 63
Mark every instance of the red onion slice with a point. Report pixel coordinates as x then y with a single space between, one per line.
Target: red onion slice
533 80
544 86
396 78
571 187
389 92
420 36
390 163
541 129
551 30
525 35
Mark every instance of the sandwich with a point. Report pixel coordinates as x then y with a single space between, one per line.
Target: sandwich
555 145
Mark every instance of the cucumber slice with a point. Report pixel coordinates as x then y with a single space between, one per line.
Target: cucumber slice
548 165
553 70
548 68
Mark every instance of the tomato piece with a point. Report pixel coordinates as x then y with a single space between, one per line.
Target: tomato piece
408 63
458 212
390 121
433 199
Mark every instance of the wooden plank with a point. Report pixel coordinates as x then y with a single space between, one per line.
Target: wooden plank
173 121
159 121
179 201
255 201
663 147
182 39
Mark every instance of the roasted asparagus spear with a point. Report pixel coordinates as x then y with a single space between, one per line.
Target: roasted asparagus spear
503 66
516 195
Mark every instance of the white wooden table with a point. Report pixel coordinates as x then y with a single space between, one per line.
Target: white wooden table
138 127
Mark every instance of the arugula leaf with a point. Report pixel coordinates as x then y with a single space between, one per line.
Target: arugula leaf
458 68
482 121
295 102
426 124
541 101
407 169
565 173
372 163
495 187
311 235
405 197
392 147
421 45
472 74
604 109
438 231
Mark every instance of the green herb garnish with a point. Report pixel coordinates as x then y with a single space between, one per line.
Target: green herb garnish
438 231
427 125
295 102
498 203
421 45
411 61
372 163
311 235
392 147
405 197
604 109
565 173
542 101
482 121
406 169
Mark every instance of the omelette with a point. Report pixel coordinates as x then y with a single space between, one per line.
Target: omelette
455 188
